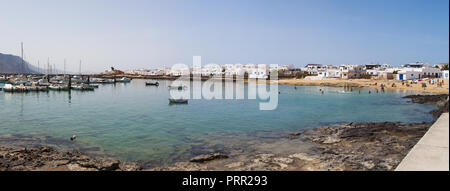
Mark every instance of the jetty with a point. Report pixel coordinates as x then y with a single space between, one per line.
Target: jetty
431 153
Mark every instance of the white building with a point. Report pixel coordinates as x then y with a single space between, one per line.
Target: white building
445 74
258 72
313 69
418 71
351 71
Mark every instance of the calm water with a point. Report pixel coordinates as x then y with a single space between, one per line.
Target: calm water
135 122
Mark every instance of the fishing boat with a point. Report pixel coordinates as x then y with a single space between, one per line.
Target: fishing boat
178 101
152 83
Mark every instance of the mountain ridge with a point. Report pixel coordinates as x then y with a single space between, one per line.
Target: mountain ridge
12 64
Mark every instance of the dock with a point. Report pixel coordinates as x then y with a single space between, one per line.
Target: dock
431 152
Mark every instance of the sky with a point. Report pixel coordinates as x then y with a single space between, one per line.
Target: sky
155 33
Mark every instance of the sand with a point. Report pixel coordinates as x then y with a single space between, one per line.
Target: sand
368 83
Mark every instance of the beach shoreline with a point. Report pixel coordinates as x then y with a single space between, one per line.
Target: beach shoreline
370 83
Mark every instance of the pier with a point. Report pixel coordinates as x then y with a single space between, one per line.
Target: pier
431 152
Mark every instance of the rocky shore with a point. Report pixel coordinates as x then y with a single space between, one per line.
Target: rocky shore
347 146
45 158
441 101
343 147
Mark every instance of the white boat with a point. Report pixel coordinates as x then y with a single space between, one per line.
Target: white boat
82 87
124 80
58 87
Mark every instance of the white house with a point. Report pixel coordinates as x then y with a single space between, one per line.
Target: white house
351 71
418 71
329 73
445 74
259 72
312 69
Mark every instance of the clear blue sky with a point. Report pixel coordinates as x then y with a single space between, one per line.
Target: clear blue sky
150 34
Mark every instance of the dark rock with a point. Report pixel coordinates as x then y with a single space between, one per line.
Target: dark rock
428 99
47 158
209 157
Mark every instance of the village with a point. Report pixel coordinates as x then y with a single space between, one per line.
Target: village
412 71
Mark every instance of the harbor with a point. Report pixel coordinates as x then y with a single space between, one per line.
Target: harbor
135 122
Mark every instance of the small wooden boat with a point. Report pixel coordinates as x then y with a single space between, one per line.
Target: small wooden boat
178 101
152 83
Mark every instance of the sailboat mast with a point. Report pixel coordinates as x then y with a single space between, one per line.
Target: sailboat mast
64 67
21 44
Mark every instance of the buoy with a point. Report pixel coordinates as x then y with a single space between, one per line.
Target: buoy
73 138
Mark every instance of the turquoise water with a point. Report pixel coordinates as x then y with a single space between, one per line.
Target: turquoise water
135 122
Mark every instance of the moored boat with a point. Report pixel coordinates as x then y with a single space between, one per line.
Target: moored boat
177 87
178 101
82 87
152 83
123 80
58 87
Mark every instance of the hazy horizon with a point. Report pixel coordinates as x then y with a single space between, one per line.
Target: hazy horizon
151 34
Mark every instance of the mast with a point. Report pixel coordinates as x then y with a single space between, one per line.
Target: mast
38 68
21 44
48 66
64 66
80 67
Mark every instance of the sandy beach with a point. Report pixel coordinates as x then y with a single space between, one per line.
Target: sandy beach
369 83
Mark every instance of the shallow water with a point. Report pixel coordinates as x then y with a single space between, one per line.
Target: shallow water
134 122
